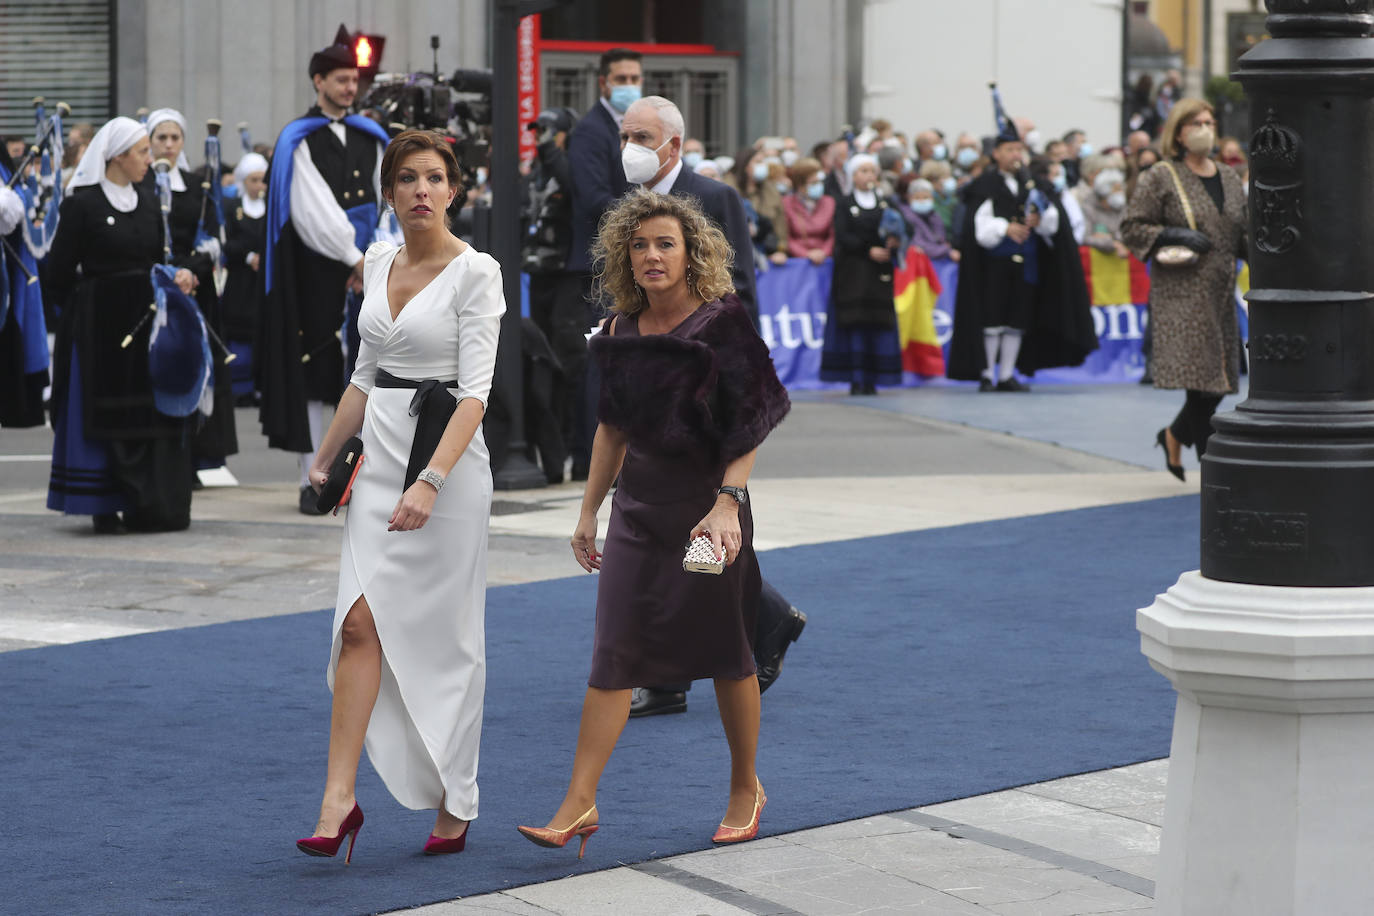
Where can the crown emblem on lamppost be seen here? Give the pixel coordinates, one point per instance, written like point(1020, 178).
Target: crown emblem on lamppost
point(1275, 150)
point(1276, 188)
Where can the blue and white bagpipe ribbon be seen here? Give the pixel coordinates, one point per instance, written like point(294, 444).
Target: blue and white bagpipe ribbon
point(44, 185)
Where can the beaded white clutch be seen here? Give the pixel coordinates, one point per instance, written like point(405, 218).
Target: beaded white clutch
point(701, 557)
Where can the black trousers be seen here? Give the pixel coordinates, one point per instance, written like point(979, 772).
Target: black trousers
point(773, 607)
point(1193, 425)
point(572, 315)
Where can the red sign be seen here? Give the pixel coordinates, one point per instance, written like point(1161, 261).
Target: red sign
point(527, 76)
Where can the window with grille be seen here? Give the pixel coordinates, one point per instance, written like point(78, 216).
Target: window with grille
point(59, 49)
point(701, 86)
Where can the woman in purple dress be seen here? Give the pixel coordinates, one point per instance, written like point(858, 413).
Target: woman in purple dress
point(688, 394)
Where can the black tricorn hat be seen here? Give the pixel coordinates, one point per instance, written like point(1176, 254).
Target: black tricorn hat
point(337, 56)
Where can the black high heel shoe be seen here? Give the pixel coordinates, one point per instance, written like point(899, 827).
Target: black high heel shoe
point(1163, 442)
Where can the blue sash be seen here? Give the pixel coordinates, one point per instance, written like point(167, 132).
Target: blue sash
point(283, 168)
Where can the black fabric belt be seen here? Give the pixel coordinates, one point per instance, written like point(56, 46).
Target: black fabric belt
point(433, 405)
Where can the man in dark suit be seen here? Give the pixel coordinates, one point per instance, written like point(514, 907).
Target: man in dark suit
point(598, 180)
point(656, 124)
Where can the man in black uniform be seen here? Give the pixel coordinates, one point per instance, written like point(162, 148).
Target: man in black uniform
point(655, 125)
point(1020, 277)
point(322, 211)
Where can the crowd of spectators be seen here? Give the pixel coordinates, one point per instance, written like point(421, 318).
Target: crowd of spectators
point(789, 196)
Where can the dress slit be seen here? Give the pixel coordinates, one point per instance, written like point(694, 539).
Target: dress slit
point(400, 727)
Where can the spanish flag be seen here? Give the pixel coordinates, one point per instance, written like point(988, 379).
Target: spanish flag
point(915, 288)
point(1114, 281)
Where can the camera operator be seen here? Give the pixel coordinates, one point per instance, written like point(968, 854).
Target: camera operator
point(548, 235)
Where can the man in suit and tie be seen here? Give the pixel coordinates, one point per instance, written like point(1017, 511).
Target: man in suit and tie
point(597, 182)
point(656, 124)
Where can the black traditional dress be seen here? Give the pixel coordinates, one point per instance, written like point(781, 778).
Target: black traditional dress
point(689, 402)
point(862, 346)
point(112, 450)
point(242, 301)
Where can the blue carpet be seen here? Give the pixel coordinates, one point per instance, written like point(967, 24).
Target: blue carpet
point(171, 772)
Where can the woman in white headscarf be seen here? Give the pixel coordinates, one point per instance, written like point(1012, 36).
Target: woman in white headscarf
point(861, 343)
point(195, 245)
point(245, 238)
point(112, 451)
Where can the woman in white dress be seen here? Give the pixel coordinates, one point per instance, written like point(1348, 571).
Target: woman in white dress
point(408, 666)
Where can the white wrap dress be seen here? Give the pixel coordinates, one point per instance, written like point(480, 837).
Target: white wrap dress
point(426, 588)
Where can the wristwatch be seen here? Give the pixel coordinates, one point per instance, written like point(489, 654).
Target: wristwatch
point(431, 477)
point(739, 493)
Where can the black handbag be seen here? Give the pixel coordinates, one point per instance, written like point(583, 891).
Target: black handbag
point(342, 472)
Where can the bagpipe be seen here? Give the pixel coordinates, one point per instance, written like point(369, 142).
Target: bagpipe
point(41, 186)
point(180, 365)
point(210, 194)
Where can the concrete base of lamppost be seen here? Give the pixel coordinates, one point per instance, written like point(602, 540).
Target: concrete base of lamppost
point(1270, 806)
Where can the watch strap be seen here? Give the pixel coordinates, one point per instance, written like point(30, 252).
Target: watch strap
point(739, 494)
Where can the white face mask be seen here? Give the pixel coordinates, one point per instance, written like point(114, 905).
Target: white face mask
point(640, 163)
point(790, 157)
point(1200, 141)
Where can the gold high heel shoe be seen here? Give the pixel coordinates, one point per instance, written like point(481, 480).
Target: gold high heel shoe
point(557, 839)
point(727, 834)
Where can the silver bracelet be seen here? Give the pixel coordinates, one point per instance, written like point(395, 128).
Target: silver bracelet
point(433, 478)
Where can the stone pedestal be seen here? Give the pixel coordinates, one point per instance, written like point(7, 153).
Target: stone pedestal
point(1270, 805)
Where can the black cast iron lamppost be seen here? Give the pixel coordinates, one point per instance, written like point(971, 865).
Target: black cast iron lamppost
point(1287, 480)
point(1270, 646)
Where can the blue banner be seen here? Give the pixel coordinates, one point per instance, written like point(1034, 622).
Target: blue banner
point(793, 307)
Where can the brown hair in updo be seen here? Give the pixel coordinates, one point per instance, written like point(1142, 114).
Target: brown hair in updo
point(708, 253)
point(418, 141)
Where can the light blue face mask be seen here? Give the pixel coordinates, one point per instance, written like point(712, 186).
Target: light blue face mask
point(692, 159)
point(760, 172)
point(966, 157)
point(1060, 182)
point(922, 207)
point(1085, 149)
point(939, 152)
point(949, 186)
point(622, 97)
point(815, 190)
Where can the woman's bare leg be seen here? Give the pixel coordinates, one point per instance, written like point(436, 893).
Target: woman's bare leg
point(738, 702)
point(356, 682)
point(604, 713)
point(446, 826)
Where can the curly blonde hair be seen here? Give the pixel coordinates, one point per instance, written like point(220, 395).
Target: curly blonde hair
point(708, 253)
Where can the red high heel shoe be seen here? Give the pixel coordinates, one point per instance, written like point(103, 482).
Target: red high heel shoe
point(439, 846)
point(728, 834)
point(329, 845)
point(557, 839)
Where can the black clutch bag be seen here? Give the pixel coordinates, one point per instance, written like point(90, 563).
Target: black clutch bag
point(338, 487)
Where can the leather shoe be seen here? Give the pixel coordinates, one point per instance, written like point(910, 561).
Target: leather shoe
point(770, 651)
point(310, 502)
point(985, 384)
point(1011, 384)
point(646, 701)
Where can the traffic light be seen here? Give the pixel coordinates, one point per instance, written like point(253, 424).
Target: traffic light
point(367, 50)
